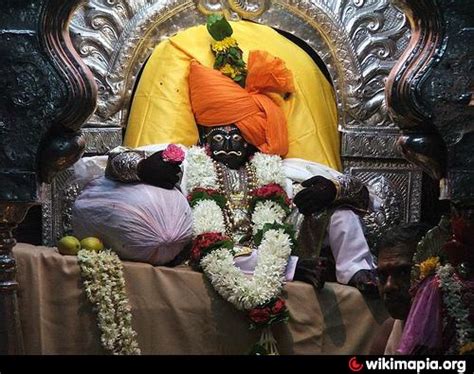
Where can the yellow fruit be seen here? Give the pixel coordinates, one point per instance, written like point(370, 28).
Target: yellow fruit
point(92, 244)
point(69, 245)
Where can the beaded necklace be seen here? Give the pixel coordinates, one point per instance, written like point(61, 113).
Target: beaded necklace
point(236, 186)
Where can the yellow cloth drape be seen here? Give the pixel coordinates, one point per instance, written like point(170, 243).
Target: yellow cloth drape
point(161, 110)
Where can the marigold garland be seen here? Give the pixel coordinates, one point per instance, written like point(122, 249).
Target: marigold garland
point(467, 348)
point(428, 267)
point(224, 44)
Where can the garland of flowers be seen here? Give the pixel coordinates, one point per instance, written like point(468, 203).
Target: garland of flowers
point(104, 285)
point(432, 259)
point(428, 267)
point(451, 286)
point(213, 251)
point(266, 284)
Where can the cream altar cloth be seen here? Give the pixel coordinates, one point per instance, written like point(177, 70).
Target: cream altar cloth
point(175, 311)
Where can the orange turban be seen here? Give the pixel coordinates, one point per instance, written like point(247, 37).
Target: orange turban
point(217, 100)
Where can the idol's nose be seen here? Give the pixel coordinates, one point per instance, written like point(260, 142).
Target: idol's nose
point(227, 143)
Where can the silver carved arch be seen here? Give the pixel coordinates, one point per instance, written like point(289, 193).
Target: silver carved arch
point(358, 41)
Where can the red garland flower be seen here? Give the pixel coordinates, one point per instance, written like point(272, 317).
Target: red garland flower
point(463, 230)
point(273, 192)
point(206, 241)
point(270, 190)
point(268, 314)
point(260, 315)
point(279, 306)
point(199, 194)
point(209, 191)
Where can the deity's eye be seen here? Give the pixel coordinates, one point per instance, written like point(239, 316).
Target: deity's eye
point(236, 138)
point(218, 138)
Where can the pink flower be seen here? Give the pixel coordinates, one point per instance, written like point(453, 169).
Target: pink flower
point(173, 154)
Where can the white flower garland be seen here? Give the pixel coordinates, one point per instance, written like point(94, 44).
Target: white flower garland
point(268, 169)
point(104, 285)
point(207, 217)
point(454, 305)
point(201, 172)
point(267, 212)
point(267, 282)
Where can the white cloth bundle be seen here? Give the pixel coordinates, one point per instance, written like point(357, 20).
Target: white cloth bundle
point(138, 221)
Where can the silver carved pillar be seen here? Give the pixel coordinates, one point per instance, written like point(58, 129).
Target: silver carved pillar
point(10, 327)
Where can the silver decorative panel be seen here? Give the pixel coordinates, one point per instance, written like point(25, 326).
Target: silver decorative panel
point(359, 42)
point(101, 140)
point(369, 145)
point(405, 178)
point(387, 210)
point(64, 192)
point(47, 216)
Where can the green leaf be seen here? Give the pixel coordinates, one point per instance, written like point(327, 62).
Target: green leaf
point(218, 27)
point(234, 52)
point(235, 60)
point(229, 244)
point(202, 195)
point(219, 60)
point(241, 83)
point(431, 245)
point(280, 200)
point(258, 237)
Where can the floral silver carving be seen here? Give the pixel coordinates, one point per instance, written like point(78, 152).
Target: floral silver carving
point(405, 178)
point(116, 37)
point(101, 140)
point(388, 210)
point(370, 144)
point(47, 216)
point(237, 9)
point(359, 41)
point(71, 192)
point(57, 207)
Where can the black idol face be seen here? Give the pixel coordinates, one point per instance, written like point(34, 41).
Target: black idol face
point(227, 146)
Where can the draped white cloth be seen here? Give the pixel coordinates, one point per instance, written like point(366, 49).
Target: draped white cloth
point(138, 221)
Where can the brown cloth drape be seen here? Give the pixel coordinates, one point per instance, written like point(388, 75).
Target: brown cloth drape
point(175, 311)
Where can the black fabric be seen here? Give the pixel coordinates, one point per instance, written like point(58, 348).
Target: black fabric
point(312, 271)
point(319, 193)
point(153, 170)
point(366, 282)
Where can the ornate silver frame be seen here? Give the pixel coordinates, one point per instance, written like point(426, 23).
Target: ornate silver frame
point(358, 40)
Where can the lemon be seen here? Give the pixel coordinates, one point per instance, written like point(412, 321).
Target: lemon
point(92, 244)
point(69, 245)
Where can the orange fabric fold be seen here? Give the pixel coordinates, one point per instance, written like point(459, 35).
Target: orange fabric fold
point(217, 100)
point(267, 73)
